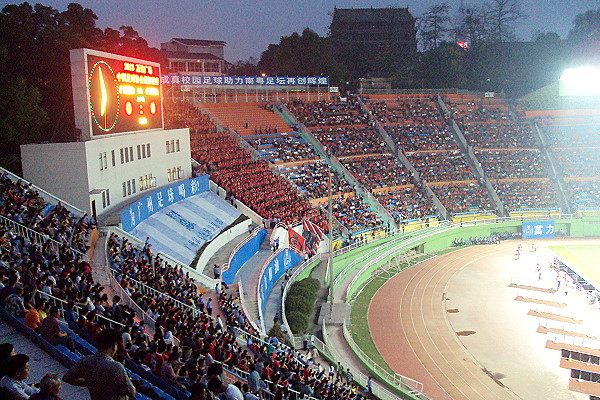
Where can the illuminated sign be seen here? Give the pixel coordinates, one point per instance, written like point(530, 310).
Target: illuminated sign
point(244, 80)
point(118, 94)
point(537, 230)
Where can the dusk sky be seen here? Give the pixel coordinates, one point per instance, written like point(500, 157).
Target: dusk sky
point(249, 27)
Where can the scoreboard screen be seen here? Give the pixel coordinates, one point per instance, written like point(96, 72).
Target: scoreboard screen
point(122, 94)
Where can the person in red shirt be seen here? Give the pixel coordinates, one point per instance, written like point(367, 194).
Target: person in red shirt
point(50, 330)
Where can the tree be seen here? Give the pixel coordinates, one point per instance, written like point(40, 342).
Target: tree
point(21, 119)
point(35, 66)
point(545, 37)
point(444, 67)
point(433, 25)
point(586, 27)
point(503, 16)
point(301, 55)
point(470, 25)
point(247, 67)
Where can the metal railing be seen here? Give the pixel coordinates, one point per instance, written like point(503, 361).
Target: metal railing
point(48, 197)
point(409, 385)
point(60, 303)
point(125, 297)
point(204, 280)
point(244, 306)
point(238, 246)
point(36, 237)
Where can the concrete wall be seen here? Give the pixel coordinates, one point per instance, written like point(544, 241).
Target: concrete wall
point(73, 171)
point(58, 168)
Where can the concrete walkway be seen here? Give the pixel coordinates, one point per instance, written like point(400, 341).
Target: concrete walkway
point(222, 255)
point(249, 277)
point(100, 267)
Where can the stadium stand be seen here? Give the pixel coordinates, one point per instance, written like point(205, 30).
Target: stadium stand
point(281, 149)
point(185, 334)
point(248, 118)
point(392, 109)
point(249, 181)
point(344, 141)
point(406, 203)
point(507, 150)
point(573, 143)
point(526, 194)
point(338, 112)
point(313, 179)
point(418, 128)
point(421, 137)
point(270, 195)
point(378, 171)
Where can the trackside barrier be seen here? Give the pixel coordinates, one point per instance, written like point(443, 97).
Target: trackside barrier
point(403, 241)
point(37, 237)
point(537, 295)
point(559, 312)
point(401, 245)
point(573, 340)
point(380, 391)
point(566, 327)
point(532, 283)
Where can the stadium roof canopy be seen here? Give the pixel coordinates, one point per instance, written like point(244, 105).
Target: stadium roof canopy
point(199, 42)
point(371, 15)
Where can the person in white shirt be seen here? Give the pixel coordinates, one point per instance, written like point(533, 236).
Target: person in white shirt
point(232, 392)
point(17, 370)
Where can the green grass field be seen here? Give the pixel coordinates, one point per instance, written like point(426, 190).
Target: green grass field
point(585, 259)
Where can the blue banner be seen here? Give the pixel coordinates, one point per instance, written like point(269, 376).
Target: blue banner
point(242, 255)
point(244, 80)
point(156, 201)
point(537, 229)
point(285, 260)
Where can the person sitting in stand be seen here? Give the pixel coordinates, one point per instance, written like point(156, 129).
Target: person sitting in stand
point(17, 370)
point(49, 388)
point(50, 330)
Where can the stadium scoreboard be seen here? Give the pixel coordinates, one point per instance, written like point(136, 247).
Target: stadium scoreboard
point(114, 94)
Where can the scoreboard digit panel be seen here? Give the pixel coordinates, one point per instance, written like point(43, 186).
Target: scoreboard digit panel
point(122, 94)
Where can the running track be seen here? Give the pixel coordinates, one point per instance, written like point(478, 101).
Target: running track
point(407, 320)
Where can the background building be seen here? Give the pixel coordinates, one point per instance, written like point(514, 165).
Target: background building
point(195, 57)
point(374, 42)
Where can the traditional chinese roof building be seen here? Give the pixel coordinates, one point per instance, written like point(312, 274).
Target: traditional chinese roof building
point(373, 42)
point(195, 57)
